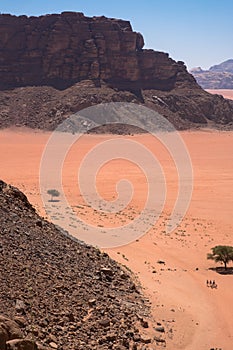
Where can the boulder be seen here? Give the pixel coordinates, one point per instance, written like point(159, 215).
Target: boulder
point(21, 344)
point(3, 338)
point(10, 328)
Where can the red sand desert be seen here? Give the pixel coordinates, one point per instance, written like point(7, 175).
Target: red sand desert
point(194, 315)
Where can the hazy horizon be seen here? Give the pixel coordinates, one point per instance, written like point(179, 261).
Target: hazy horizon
point(197, 33)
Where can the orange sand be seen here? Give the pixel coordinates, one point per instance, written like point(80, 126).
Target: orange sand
point(195, 317)
point(224, 92)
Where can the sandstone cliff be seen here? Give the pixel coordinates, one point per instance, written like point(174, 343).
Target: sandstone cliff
point(52, 66)
point(60, 50)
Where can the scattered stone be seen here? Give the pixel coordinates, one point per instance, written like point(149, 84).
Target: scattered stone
point(123, 275)
point(104, 323)
point(137, 337)
point(39, 223)
point(159, 340)
point(21, 321)
point(19, 306)
point(111, 336)
point(71, 317)
point(92, 302)
point(161, 262)
point(160, 329)
point(129, 333)
point(107, 271)
point(52, 338)
point(145, 339)
point(144, 323)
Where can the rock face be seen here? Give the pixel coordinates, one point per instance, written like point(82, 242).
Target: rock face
point(217, 77)
point(60, 293)
point(53, 66)
point(11, 336)
point(60, 50)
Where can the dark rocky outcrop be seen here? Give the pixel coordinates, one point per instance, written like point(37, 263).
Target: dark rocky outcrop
point(59, 293)
point(60, 50)
point(52, 66)
point(45, 107)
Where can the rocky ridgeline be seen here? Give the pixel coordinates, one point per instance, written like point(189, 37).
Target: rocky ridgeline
point(219, 76)
point(214, 80)
point(57, 293)
point(60, 50)
point(82, 61)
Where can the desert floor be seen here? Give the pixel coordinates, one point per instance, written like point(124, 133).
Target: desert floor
point(172, 268)
point(227, 93)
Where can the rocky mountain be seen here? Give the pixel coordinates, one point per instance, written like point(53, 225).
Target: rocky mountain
point(217, 77)
point(58, 293)
point(60, 50)
point(81, 61)
point(226, 66)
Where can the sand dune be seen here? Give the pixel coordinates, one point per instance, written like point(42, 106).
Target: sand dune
point(172, 268)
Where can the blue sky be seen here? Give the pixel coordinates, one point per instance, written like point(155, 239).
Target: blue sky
point(197, 32)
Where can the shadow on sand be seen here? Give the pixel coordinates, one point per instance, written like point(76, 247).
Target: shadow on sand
point(221, 270)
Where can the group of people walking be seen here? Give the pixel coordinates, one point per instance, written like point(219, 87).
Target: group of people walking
point(211, 284)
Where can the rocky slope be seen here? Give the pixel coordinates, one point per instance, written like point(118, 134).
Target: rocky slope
point(45, 107)
point(59, 293)
point(52, 66)
point(217, 77)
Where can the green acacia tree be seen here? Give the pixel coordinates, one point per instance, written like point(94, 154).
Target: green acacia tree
point(53, 193)
point(221, 253)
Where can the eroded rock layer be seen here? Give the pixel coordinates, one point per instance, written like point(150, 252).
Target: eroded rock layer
point(60, 50)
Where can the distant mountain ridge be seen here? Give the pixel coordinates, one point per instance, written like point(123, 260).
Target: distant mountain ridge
point(226, 66)
point(219, 76)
